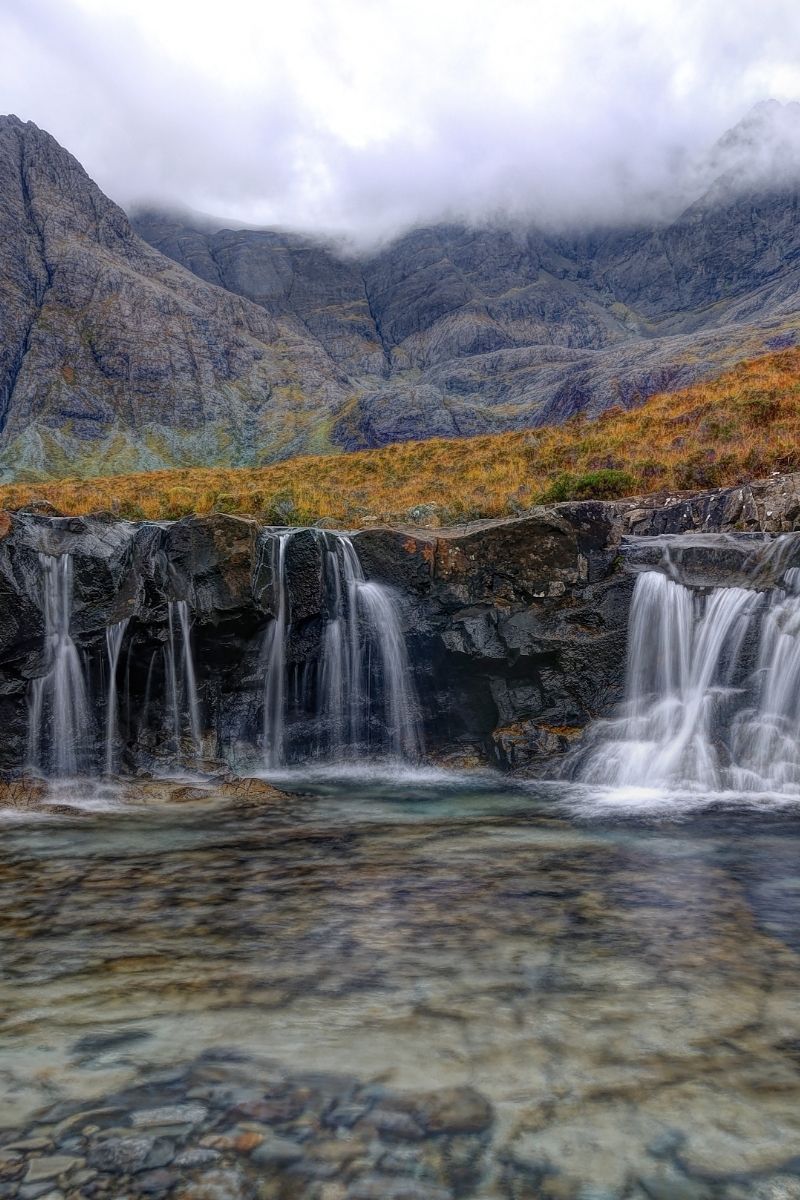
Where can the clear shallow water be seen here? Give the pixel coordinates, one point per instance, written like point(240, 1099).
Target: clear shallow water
point(620, 986)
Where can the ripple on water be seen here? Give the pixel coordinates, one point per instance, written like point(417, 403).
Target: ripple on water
point(597, 983)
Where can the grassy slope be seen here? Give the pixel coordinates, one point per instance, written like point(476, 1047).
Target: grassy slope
point(740, 426)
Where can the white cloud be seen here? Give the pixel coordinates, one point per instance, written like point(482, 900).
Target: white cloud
point(363, 116)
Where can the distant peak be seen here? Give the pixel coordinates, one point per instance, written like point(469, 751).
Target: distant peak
point(761, 150)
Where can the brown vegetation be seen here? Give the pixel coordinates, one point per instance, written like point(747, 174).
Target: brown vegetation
point(740, 426)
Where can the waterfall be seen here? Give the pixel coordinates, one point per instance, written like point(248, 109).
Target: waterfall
point(363, 700)
point(59, 719)
point(275, 660)
point(115, 635)
point(366, 675)
point(337, 684)
point(712, 695)
point(182, 694)
point(382, 627)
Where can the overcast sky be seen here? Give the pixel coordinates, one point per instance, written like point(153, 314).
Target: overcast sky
point(363, 116)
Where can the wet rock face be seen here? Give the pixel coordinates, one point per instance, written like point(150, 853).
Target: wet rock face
point(519, 621)
point(516, 630)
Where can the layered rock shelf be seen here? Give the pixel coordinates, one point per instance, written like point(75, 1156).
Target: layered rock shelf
point(515, 629)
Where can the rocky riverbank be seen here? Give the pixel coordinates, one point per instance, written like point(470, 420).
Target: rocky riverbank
point(515, 629)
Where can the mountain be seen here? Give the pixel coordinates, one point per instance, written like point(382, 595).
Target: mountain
point(164, 341)
point(110, 354)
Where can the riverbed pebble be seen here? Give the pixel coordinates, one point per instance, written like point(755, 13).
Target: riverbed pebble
point(265, 1135)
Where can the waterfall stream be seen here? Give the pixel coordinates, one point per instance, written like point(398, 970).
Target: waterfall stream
point(115, 635)
point(275, 660)
point(183, 698)
point(362, 699)
point(354, 697)
point(712, 694)
point(59, 717)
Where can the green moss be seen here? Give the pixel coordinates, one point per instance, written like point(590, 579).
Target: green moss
point(607, 484)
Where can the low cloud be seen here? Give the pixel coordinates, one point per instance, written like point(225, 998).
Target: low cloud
point(362, 117)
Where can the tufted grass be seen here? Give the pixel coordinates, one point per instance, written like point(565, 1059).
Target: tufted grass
point(740, 426)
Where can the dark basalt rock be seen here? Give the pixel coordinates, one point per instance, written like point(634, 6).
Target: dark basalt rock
point(516, 629)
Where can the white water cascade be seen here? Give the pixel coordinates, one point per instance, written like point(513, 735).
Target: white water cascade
point(274, 656)
point(115, 635)
point(712, 698)
point(182, 695)
point(361, 699)
point(59, 716)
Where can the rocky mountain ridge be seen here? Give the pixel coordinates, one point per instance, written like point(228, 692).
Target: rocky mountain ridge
point(161, 342)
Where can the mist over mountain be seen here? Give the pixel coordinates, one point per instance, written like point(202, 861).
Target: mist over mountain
point(365, 120)
point(168, 341)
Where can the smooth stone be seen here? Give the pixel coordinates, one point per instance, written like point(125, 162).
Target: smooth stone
point(346, 1115)
point(396, 1124)
point(216, 1185)
point(51, 1167)
point(131, 1155)
point(34, 1191)
point(197, 1156)
point(400, 1160)
point(277, 1151)
point(271, 1111)
point(87, 1116)
point(311, 1168)
point(389, 1187)
point(673, 1187)
point(170, 1114)
point(156, 1183)
point(82, 1177)
point(453, 1110)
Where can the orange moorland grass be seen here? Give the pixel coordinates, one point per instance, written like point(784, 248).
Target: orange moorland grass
point(742, 425)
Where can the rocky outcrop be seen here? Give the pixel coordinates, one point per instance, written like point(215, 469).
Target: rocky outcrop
point(454, 330)
point(515, 629)
point(129, 347)
point(111, 353)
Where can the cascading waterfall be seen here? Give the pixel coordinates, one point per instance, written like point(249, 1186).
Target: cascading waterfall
point(59, 717)
point(115, 635)
point(358, 699)
point(363, 698)
point(275, 660)
point(766, 738)
point(365, 667)
point(712, 699)
point(182, 695)
point(383, 629)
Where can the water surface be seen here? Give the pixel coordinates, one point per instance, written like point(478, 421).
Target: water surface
point(621, 988)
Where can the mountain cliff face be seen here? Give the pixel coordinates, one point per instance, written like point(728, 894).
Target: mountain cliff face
point(132, 346)
point(108, 350)
point(455, 331)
